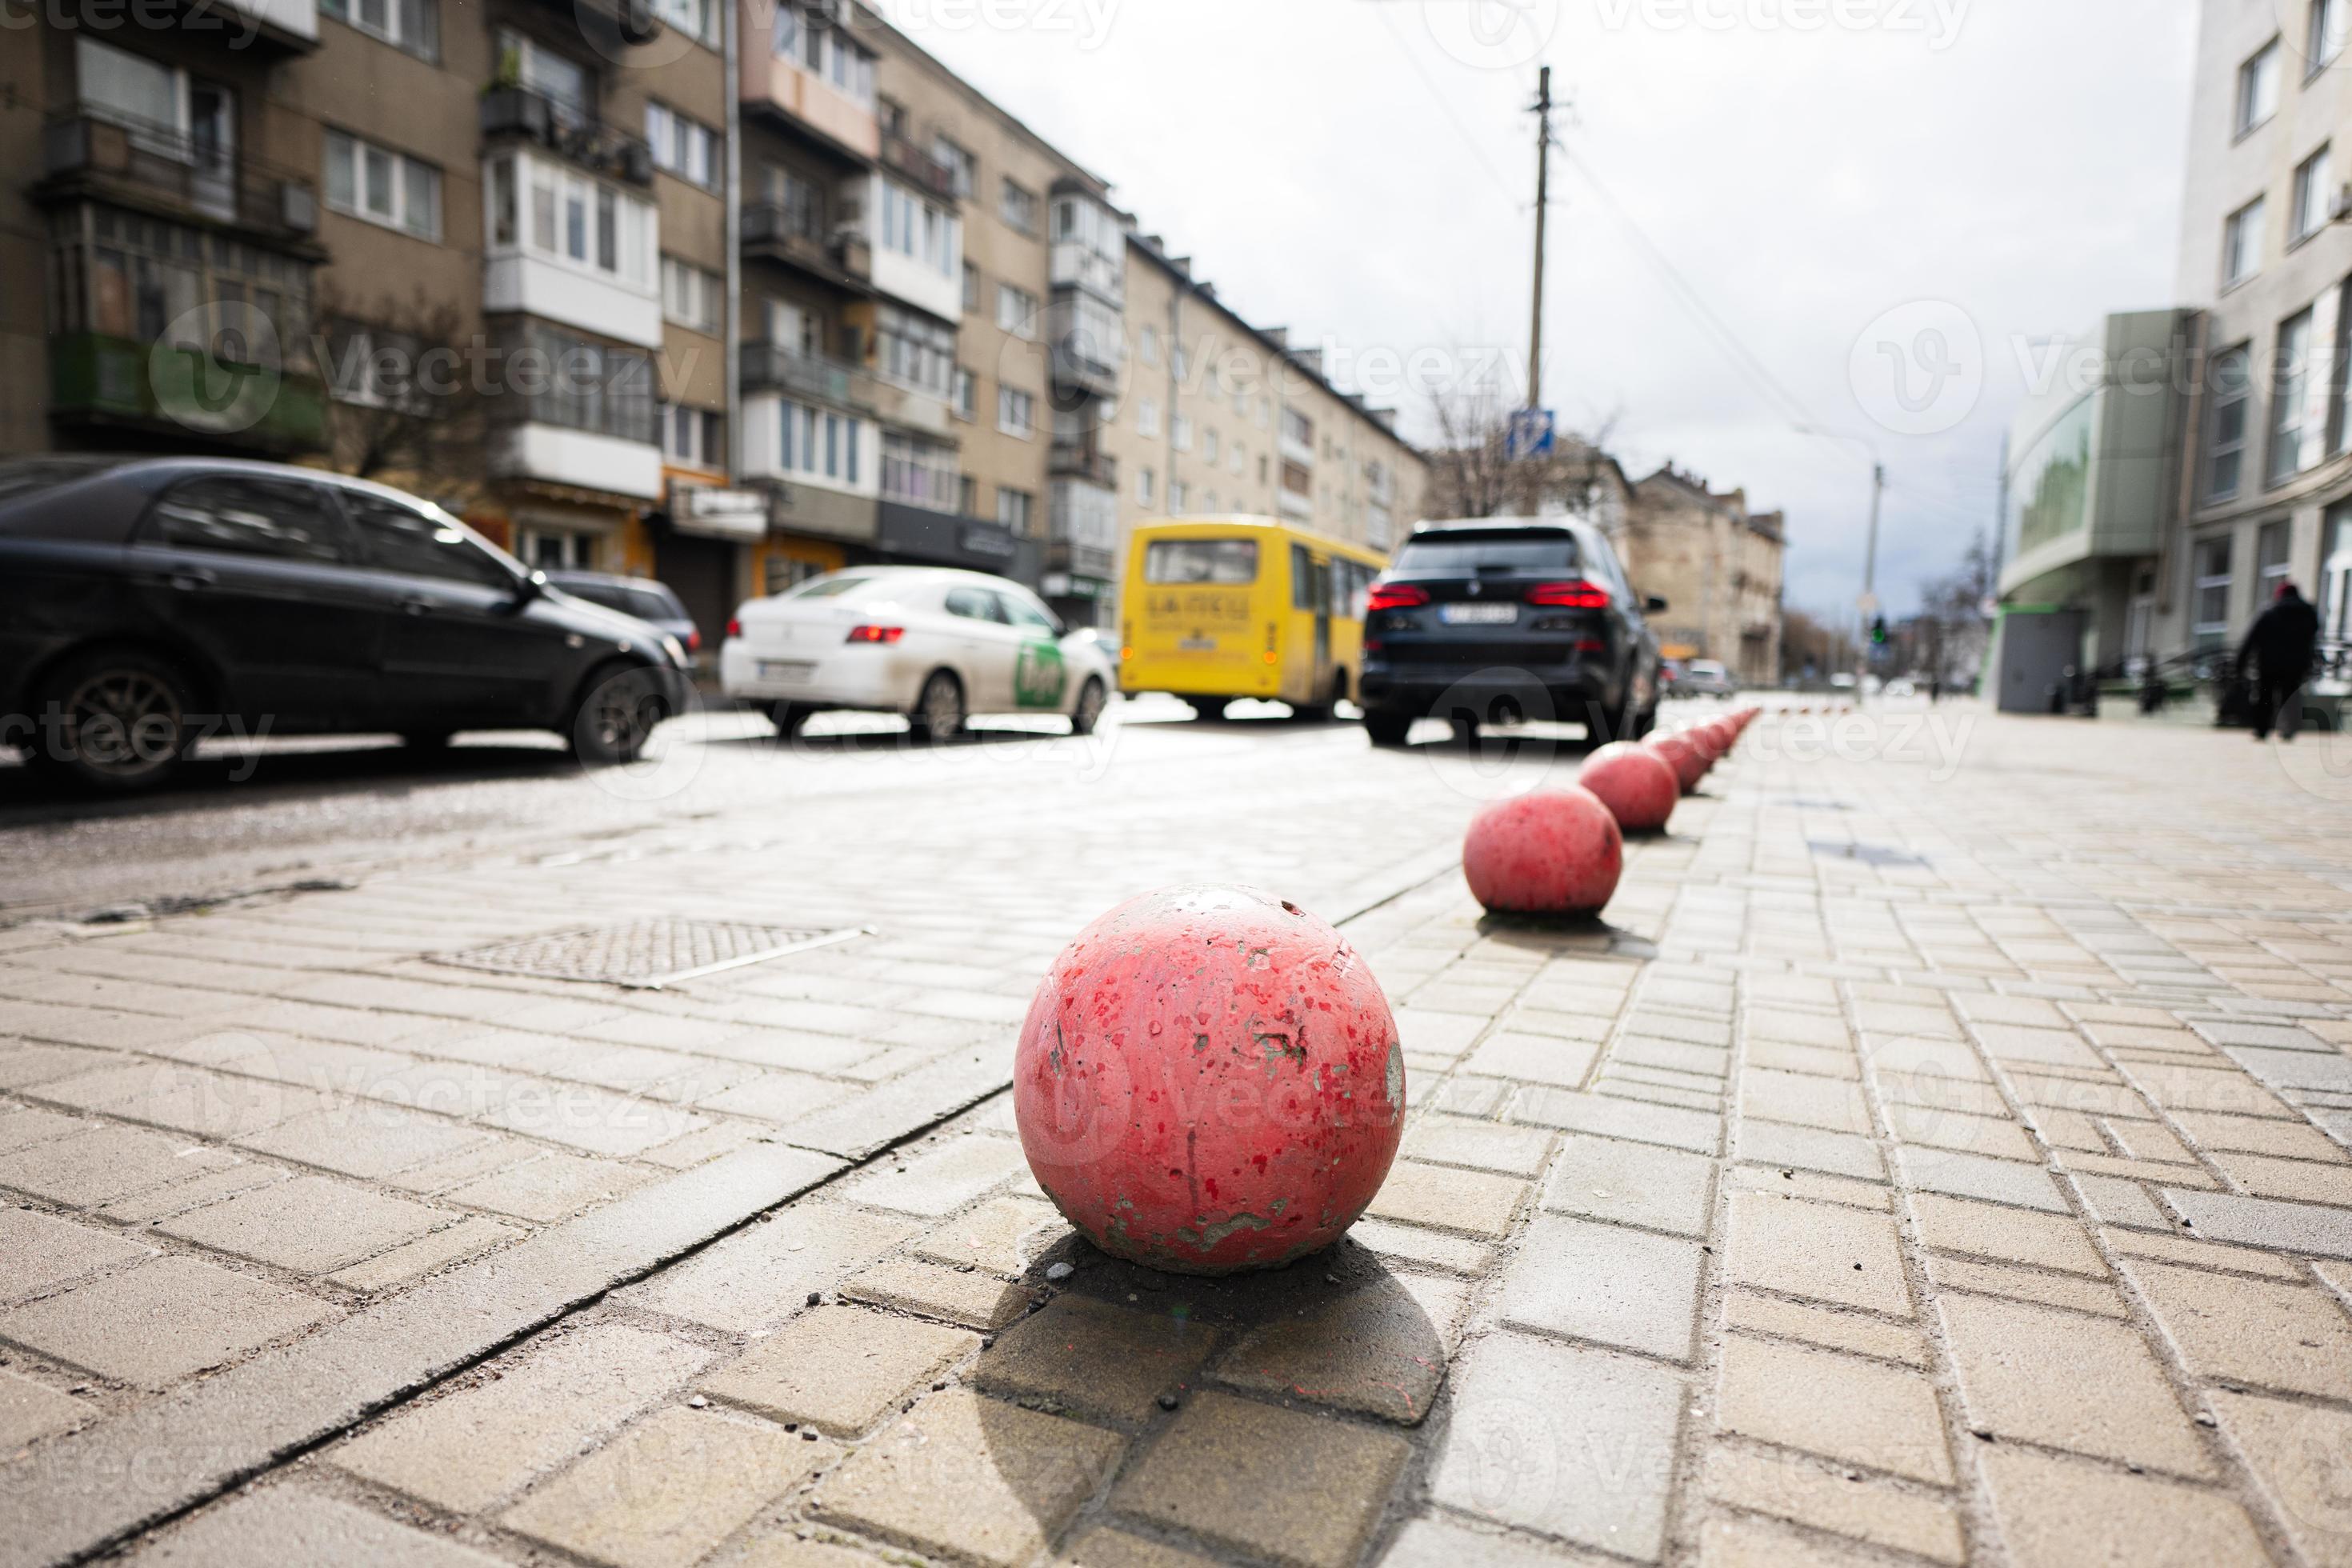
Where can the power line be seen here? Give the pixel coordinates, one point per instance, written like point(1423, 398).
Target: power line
point(1444, 104)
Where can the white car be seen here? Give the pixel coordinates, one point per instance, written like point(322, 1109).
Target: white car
point(937, 645)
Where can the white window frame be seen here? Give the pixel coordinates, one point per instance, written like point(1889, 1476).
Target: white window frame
point(636, 222)
point(967, 394)
point(2260, 71)
point(702, 165)
point(692, 297)
point(2290, 386)
point(1147, 418)
point(1016, 412)
point(2325, 37)
point(707, 449)
point(1146, 486)
point(1016, 311)
point(681, 14)
point(2307, 212)
point(2241, 242)
point(2237, 393)
point(394, 28)
point(831, 442)
point(357, 149)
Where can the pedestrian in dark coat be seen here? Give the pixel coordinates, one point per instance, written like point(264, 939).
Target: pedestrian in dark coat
point(2282, 644)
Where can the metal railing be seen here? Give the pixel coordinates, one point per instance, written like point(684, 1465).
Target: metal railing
point(563, 130)
point(81, 150)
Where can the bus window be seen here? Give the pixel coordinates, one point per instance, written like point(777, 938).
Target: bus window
point(1217, 561)
point(1310, 581)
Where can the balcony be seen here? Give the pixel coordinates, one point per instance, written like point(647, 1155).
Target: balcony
point(790, 96)
point(96, 380)
point(794, 237)
point(607, 150)
point(918, 167)
point(166, 174)
point(1085, 461)
point(816, 377)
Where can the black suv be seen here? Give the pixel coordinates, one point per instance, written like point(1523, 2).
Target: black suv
point(147, 603)
point(1498, 619)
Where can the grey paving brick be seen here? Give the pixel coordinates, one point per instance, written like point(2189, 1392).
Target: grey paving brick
point(106, 1163)
point(1810, 1149)
point(290, 1524)
point(2298, 1453)
point(764, 1273)
point(943, 1177)
point(1379, 1346)
point(311, 1224)
point(1700, 1132)
point(39, 1252)
point(2311, 1229)
point(551, 1186)
point(1607, 1284)
point(1566, 1441)
point(1820, 1251)
point(1096, 1359)
point(1632, 1184)
point(155, 1324)
point(366, 1138)
point(1482, 1146)
point(30, 1410)
point(2066, 1380)
point(839, 1368)
point(1962, 1176)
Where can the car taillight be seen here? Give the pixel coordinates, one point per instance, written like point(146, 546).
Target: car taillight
point(1578, 595)
point(734, 628)
point(694, 639)
point(1396, 597)
point(876, 633)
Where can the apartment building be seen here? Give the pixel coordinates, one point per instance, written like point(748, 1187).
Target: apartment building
point(504, 253)
point(1715, 564)
point(2265, 488)
point(261, 228)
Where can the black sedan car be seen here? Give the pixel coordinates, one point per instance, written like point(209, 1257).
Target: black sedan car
point(641, 598)
point(149, 603)
point(1497, 619)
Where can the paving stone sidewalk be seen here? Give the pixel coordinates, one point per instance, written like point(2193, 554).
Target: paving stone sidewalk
point(1923, 1164)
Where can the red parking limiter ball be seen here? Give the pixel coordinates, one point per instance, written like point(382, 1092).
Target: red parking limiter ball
point(1554, 852)
point(1637, 785)
point(1209, 1079)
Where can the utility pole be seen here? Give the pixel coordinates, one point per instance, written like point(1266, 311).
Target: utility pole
point(1869, 603)
point(1543, 208)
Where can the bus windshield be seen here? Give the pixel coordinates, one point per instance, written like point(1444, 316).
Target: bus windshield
point(1218, 560)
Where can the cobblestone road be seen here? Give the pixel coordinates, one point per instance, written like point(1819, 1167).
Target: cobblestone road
point(1939, 1156)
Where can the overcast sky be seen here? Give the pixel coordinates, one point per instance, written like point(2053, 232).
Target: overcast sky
point(1913, 172)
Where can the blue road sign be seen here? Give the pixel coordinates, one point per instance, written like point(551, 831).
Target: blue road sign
point(1531, 435)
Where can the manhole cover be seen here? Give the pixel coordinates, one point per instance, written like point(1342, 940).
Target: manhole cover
point(645, 954)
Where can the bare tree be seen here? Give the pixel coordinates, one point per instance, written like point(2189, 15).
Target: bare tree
point(1474, 471)
point(402, 401)
point(1807, 646)
point(1952, 632)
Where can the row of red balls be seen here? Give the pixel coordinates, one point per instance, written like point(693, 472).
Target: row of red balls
point(1560, 851)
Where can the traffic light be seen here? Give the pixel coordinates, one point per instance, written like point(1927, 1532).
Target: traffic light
point(1878, 632)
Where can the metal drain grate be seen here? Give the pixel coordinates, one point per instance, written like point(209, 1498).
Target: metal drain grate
point(646, 955)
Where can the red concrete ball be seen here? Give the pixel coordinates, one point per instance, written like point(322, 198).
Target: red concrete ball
point(1637, 785)
point(1209, 1079)
point(1554, 852)
point(1683, 757)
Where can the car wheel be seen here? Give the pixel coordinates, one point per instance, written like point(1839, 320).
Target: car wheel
point(1387, 728)
point(124, 722)
point(1089, 710)
point(939, 711)
point(788, 718)
point(617, 718)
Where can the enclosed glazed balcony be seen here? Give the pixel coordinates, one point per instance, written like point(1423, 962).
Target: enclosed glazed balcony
point(802, 72)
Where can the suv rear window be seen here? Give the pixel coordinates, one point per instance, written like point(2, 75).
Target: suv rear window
point(1221, 560)
point(1468, 554)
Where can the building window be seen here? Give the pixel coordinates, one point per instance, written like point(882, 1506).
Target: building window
point(1148, 346)
point(2209, 623)
point(967, 394)
point(682, 147)
point(1018, 207)
point(590, 386)
point(375, 368)
point(2273, 545)
point(825, 52)
point(818, 443)
point(1237, 459)
point(2241, 243)
point(2258, 88)
point(962, 167)
point(1147, 417)
point(2232, 388)
point(411, 24)
point(1016, 311)
point(2314, 191)
point(563, 82)
point(698, 19)
point(1298, 429)
point(971, 290)
point(365, 181)
point(916, 228)
point(1016, 412)
point(893, 117)
point(2336, 573)
point(690, 436)
point(1013, 508)
point(692, 296)
point(1180, 433)
point(919, 473)
point(1208, 445)
point(2291, 447)
point(141, 278)
point(573, 220)
point(2324, 40)
point(914, 351)
point(967, 496)
point(1146, 483)
point(1178, 493)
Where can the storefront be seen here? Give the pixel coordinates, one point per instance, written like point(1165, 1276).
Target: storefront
point(918, 536)
point(702, 546)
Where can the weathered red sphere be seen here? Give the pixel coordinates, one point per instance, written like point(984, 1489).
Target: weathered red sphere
point(1634, 783)
point(1683, 757)
point(1554, 852)
point(1209, 1079)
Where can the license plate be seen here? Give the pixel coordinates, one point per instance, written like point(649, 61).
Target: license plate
point(786, 669)
point(1477, 615)
point(1199, 645)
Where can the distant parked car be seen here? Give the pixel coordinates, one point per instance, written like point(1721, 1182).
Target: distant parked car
point(1670, 676)
point(148, 603)
point(1705, 677)
point(935, 644)
point(1500, 614)
point(641, 597)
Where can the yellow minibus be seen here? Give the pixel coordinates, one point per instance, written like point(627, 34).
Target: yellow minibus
point(1221, 608)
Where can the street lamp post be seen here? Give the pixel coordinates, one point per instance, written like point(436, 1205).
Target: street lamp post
point(1867, 604)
